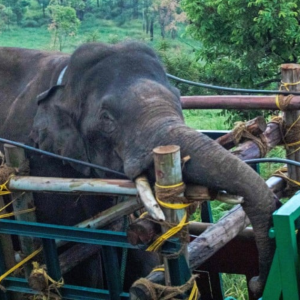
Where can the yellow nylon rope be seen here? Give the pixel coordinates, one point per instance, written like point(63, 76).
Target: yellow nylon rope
point(170, 186)
point(38, 270)
point(194, 292)
point(172, 231)
point(279, 173)
point(3, 189)
point(173, 205)
point(17, 213)
point(286, 86)
point(21, 263)
point(159, 241)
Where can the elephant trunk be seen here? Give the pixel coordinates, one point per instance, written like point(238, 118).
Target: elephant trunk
point(213, 166)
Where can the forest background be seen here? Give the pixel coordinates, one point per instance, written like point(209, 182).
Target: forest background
point(233, 43)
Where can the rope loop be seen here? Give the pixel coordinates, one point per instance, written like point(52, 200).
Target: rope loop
point(281, 173)
point(161, 292)
point(39, 280)
point(240, 131)
point(21, 263)
point(170, 193)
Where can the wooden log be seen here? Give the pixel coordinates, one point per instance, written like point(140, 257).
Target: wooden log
point(167, 165)
point(148, 198)
point(290, 74)
point(15, 157)
point(112, 214)
point(255, 126)
point(145, 231)
point(249, 149)
point(197, 228)
point(235, 102)
point(203, 247)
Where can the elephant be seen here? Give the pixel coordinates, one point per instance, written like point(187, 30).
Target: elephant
point(111, 105)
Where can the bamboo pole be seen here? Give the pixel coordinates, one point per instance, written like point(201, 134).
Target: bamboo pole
point(14, 158)
point(72, 185)
point(290, 74)
point(167, 165)
point(235, 102)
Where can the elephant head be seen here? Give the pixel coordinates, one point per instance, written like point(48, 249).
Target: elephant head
point(115, 105)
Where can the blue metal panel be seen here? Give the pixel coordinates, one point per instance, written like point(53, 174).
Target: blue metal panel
point(72, 234)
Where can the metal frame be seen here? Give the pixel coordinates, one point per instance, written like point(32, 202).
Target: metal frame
point(284, 278)
point(48, 233)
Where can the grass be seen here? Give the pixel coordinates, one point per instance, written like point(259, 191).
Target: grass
point(89, 31)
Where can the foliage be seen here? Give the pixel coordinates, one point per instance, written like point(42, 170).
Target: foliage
point(15, 10)
point(6, 15)
point(169, 15)
point(251, 37)
point(64, 23)
point(244, 42)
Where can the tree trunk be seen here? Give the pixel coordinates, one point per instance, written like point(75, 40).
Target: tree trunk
point(135, 7)
point(152, 29)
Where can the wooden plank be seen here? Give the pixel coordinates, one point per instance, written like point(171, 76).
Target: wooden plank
point(235, 102)
point(15, 157)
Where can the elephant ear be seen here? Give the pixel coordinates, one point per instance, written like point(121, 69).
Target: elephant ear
point(55, 131)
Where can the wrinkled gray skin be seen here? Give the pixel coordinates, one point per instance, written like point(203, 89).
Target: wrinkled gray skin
point(114, 106)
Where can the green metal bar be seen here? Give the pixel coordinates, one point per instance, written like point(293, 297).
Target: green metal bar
point(112, 271)
point(288, 253)
point(284, 278)
point(51, 259)
point(73, 234)
point(179, 270)
point(273, 289)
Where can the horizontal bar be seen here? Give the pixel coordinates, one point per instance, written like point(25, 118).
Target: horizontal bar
point(66, 233)
point(67, 291)
point(70, 185)
point(290, 209)
point(236, 102)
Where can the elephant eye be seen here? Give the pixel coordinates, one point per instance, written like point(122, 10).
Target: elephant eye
point(107, 122)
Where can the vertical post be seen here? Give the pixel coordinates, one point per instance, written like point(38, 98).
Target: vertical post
point(167, 165)
point(6, 244)
point(290, 74)
point(14, 158)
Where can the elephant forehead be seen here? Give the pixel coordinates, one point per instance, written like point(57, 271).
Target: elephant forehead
point(149, 90)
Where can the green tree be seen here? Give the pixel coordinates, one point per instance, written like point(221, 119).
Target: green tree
point(64, 23)
point(18, 8)
point(244, 42)
point(43, 4)
point(6, 15)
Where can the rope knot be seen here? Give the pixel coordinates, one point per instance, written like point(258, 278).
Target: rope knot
point(40, 281)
